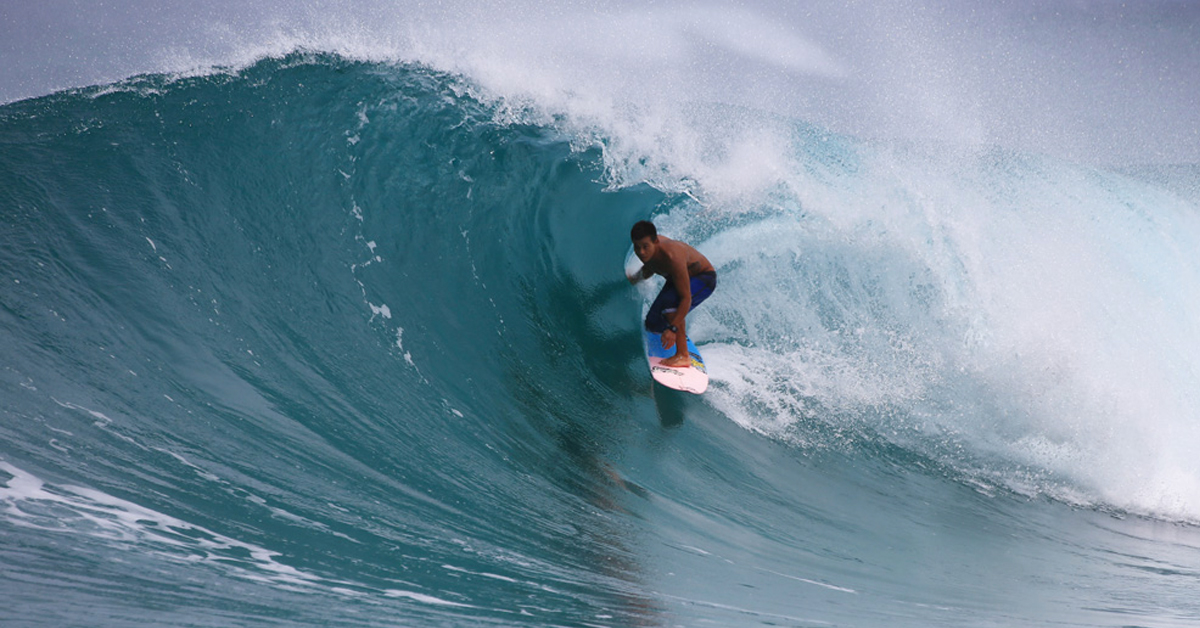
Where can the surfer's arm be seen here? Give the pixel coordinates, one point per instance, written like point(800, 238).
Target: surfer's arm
point(642, 273)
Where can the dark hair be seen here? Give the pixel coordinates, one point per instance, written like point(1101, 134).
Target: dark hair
point(642, 229)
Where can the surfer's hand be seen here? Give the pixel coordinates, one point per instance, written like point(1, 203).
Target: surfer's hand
point(668, 339)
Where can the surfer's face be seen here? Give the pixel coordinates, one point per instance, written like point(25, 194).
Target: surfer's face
point(645, 248)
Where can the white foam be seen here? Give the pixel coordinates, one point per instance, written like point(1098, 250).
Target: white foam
point(812, 582)
point(199, 471)
point(424, 599)
point(1016, 317)
point(481, 573)
point(102, 420)
point(29, 502)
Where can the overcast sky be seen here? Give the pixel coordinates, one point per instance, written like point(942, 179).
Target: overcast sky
point(1096, 81)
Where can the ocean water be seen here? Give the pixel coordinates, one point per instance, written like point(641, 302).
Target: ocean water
point(328, 341)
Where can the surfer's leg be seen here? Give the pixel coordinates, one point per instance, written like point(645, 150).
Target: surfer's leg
point(682, 356)
point(667, 300)
point(702, 288)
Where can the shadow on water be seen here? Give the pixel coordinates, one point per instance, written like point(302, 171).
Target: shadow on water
point(561, 371)
point(672, 405)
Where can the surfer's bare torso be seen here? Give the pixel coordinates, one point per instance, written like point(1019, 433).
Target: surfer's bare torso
point(670, 256)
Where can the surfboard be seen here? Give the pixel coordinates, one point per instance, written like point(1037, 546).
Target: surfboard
point(693, 379)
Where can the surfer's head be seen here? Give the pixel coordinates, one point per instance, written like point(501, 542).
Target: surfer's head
point(645, 240)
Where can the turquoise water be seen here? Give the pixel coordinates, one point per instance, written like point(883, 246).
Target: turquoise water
point(331, 342)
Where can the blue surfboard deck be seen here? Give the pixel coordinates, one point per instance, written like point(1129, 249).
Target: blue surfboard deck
point(693, 379)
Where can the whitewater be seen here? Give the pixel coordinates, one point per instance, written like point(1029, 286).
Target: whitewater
point(325, 324)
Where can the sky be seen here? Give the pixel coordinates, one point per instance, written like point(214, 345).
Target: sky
point(1101, 81)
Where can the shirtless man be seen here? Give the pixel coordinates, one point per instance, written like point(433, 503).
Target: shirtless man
point(690, 280)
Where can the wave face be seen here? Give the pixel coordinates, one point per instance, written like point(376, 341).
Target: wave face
point(334, 342)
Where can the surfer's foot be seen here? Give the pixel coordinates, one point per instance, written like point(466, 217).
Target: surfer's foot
point(678, 361)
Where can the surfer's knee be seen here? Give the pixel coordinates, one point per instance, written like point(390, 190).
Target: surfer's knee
point(656, 321)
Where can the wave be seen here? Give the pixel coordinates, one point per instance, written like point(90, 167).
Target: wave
point(325, 340)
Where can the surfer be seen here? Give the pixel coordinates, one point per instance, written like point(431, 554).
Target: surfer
point(690, 280)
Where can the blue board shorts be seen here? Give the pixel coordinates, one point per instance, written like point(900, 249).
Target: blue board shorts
point(668, 300)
